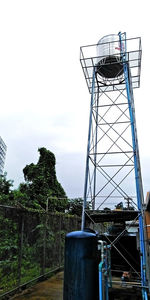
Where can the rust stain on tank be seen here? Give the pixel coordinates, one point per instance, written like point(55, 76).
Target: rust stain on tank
point(51, 289)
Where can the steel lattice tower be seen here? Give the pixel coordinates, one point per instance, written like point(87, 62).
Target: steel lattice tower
point(113, 174)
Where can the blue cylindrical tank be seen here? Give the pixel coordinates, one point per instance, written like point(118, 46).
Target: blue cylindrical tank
point(81, 266)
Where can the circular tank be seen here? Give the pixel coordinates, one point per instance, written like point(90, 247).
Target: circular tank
point(81, 266)
point(109, 63)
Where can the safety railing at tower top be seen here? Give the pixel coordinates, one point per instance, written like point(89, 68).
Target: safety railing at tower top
point(90, 59)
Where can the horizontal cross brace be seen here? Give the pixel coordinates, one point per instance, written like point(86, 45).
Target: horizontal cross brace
point(117, 152)
point(109, 105)
point(131, 165)
point(125, 122)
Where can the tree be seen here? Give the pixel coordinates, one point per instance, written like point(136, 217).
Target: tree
point(6, 194)
point(75, 206)
point(41, 185)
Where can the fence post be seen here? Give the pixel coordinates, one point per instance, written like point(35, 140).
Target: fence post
point(20, 246)
point(59, 241)
point(44, 239)
point(44, 245)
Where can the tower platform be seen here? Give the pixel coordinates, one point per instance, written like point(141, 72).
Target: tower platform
point(99, 216)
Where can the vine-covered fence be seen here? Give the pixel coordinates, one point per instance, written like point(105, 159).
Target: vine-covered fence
point(31, 244)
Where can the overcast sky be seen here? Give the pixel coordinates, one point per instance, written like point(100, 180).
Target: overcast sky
point(44, 97)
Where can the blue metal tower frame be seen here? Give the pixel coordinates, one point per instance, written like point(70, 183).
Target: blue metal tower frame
point(127, 83)
point(87, 155)
point(137, 168)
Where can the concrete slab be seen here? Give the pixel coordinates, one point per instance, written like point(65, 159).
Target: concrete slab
point(51, 289)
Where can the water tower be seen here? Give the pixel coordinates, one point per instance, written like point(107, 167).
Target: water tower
point(113, 175)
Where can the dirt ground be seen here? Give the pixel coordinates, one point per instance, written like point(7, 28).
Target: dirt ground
point(51, 289)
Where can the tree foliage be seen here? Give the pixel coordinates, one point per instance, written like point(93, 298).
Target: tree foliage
point(6, 193)
point(26, 234)
point(75, 206)
point(41, 189)
point(41, 185)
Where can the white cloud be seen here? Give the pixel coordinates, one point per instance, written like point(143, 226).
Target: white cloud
point(44, 98)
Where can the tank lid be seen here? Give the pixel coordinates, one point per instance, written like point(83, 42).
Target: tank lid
point(108, 38)
point(80, 234)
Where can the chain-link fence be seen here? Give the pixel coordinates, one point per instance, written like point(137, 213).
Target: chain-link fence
point(31, 244)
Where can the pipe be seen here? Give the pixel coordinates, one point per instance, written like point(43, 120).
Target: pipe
point(100, 281)
point(109, 265)
point(101, 271)
point(104, 265)
point(106, 272)
point(145, 294)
